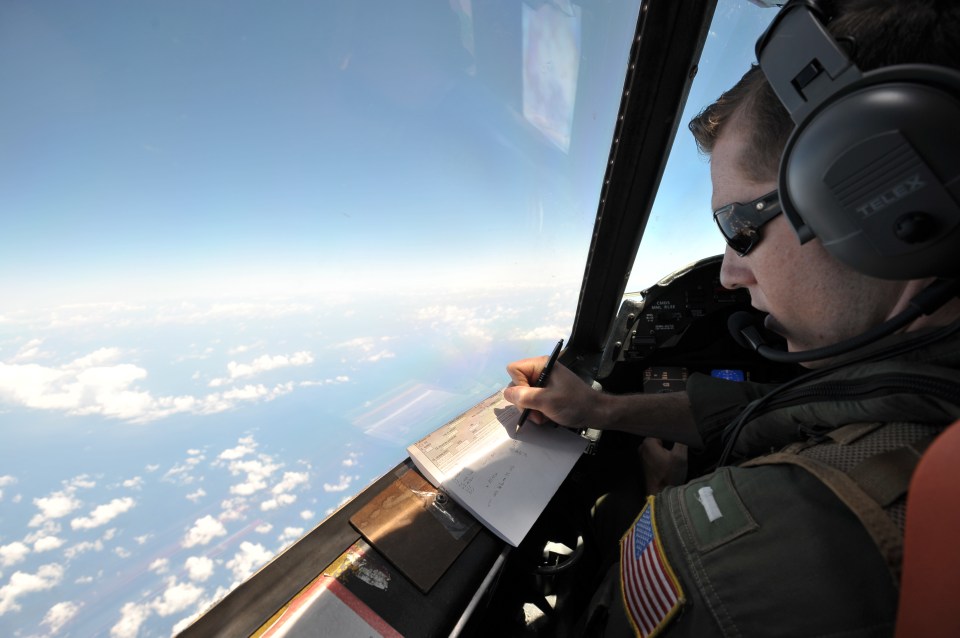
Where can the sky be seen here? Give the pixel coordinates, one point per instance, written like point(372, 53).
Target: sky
point(251, 251)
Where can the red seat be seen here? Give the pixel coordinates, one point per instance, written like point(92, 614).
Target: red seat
point(930, 585)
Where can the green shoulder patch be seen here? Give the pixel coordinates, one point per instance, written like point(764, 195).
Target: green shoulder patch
point(715, 511)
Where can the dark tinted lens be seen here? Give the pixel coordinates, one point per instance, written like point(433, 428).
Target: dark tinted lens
point(741, 223)
point(740, 233)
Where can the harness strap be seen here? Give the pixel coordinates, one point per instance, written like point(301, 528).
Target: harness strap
point(847, 434)
point(885, 533)
point(885, 477)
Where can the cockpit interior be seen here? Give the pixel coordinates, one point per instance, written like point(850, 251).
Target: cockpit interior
point(624, 342)
point(325, 229)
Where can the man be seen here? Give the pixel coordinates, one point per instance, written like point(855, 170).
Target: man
point(773, 547)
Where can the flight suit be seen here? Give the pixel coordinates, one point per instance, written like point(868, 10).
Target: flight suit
point(804, 541)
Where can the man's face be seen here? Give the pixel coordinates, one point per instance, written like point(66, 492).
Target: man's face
point(812, 299)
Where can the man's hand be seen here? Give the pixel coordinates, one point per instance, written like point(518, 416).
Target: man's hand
point(566, 400)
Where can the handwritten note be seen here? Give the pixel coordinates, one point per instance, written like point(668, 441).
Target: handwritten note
point(502, 477)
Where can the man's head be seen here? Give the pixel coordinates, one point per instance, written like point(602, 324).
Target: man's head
point(876, 33)
point(813, 299)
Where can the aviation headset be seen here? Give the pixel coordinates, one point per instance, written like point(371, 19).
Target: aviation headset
point(872, 167)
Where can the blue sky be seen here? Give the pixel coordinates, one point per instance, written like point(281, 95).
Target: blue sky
point(252, 250)
point(273, 138)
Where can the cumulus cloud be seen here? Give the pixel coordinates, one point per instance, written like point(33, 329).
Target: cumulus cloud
point(22, 583)
point(47, 543)
point(176, 597)
point(135, 483)
point(257, 471)
point(81, 548)
point(59, 615)
point(196, 496)
point(233, 508)
point(262, 364)
point(280, 500)
point(179, 474)
point(49, 528)
point(290, 481)
point(103, 514)
point(204, 530)
point(250, 558)
point(87, 385)
point(290, 534)
point(308, 515)
point(132, 616)
point(204, 603)
point(245, 446)
point(13, 553)
point(263, 528)
point(344, 484)
point(160, 565)
point(250, 392)
point(56, 505)
point(351, 460)
point(199, 568)
point(100, 384)
point(82, 481)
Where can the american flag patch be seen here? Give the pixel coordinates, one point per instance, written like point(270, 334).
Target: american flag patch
point(651, 592)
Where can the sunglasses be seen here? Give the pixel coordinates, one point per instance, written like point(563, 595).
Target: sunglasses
point(741, 223)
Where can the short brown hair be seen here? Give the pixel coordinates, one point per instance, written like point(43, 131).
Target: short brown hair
point(876, 33)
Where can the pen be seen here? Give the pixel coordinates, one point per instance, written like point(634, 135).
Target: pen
point(542, 379)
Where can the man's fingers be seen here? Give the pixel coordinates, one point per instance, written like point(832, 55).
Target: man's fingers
point(562, 400)
point(526, 371)
point(521, 396)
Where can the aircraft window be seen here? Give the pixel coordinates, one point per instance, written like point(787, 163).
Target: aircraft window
point(251, 251)
point(680, 229)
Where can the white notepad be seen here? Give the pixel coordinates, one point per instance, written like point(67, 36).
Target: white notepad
point(504, 478)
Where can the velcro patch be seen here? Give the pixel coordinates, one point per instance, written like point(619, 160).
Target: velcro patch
point(715, 511)
point(650, 589)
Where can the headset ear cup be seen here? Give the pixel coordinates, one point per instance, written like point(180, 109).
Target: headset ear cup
point(874, 173)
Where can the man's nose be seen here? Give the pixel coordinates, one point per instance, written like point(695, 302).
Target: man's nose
point(734, 271)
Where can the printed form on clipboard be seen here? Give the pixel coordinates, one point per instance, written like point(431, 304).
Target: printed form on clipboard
point(503, 477)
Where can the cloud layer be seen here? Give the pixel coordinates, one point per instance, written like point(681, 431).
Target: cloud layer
point(101, 384)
